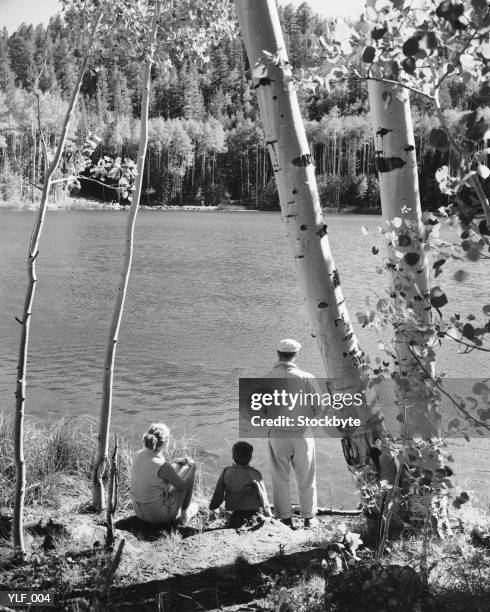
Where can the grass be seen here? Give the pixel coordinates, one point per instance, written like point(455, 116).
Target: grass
point(58, 459)
point(458, 575)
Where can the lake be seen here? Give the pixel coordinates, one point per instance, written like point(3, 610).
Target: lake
point(209, 296)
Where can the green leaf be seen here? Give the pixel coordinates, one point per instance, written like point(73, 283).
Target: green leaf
point(411, 258)
point(431, 40)
point(483, 228)
point(408, 65)
point(404, 240)
point(469, 331)
point(368, 55)
point(378, 33)
point(438, 139)
point(438, 298)
point(411, 46)
point(450, 10)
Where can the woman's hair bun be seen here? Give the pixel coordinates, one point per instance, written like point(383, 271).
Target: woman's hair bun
point(150, 441)
point(157, 436)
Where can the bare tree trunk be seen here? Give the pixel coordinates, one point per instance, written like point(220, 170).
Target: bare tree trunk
point(100, 462)
point(25, 320)
point(303, 219)
point(112, 497)
point(396, 164)
point(34, 138)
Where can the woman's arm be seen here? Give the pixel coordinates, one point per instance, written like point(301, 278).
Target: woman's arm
point(168, 473)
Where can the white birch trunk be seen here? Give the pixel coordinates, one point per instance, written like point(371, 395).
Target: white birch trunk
point(396, 163)
point(101, 459)
point(301, 212)
point(25, 321)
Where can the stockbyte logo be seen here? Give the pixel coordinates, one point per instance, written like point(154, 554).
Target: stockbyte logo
point(270, 407)
point(292, 406)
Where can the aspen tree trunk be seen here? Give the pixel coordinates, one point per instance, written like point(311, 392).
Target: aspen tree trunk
point(25, 320)
point(101, 459)
point(303, 219)
point(396, 163)
point(34, 138)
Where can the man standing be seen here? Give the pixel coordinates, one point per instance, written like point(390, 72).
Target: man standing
point(292, 446)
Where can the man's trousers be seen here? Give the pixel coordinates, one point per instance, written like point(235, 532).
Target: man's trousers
point(298, 453)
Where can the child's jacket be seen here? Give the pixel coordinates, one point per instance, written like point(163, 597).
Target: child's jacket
point(236, 486)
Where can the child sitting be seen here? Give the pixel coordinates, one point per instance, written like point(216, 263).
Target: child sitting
point(241, 487)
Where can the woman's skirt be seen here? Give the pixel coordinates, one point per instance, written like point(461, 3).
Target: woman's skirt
point(158, 512)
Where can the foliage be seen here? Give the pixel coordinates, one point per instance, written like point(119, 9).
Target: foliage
point(59, 459)
point(210, 89)
point(423, 49)
point(423, 478)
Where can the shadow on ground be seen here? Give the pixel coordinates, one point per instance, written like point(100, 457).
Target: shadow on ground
point(145, 531)
point(238, 585)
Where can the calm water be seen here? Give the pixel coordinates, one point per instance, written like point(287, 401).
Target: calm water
point(210, 295)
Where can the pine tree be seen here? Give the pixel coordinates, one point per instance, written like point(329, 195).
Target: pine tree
point(102, 97)
point(168, 94)
point(21, 51)
point(193, 99)
point(119, 96)
point(7, 78)
point(64, 65)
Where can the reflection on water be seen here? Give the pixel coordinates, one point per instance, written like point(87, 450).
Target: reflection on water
point(209, 297)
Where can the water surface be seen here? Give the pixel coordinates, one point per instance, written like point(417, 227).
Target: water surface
point(209, 296)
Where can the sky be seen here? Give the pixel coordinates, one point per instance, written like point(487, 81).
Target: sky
point(329, 8)
point(14, 12)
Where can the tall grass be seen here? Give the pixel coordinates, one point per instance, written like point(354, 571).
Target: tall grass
point(59, 457)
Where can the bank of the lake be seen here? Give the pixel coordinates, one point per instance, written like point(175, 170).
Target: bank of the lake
point(207, 565)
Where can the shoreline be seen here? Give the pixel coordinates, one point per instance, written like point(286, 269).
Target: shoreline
point(82, 205)
point(208, 561)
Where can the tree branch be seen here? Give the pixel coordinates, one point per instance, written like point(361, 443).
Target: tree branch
point(475, 421)
point(461, 341)
point(400, 84)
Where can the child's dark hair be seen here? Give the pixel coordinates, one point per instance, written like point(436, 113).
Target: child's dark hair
point(242, 452)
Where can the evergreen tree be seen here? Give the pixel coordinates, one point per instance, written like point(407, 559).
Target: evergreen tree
point(102, 96)
point(169, 95)
point(193, 99)
point(120, 97)
point(64, 65)
point(7, 78)
point(21, 51)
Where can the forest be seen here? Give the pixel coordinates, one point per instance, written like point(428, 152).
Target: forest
point(205, 147)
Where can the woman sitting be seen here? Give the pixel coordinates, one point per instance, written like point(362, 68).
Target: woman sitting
point(161, 491)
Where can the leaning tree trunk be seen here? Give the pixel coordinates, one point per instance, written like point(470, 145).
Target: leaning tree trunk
point(302, 215)
point(101, 459)
point(409, 288)
point(25, 321)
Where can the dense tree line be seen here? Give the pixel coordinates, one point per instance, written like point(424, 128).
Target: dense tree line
point(205, 146)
